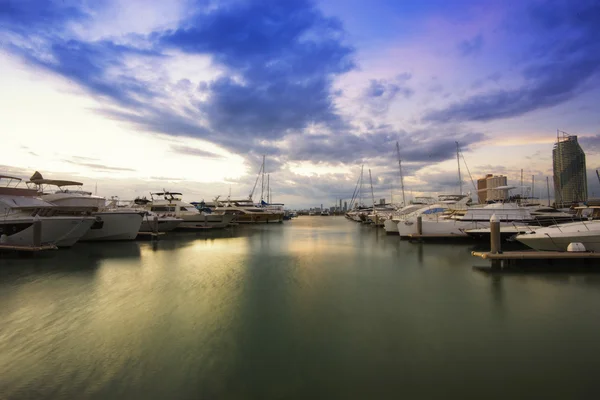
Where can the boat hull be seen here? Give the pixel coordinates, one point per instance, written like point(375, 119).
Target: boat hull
point(62, 231)
point(558, 237)
point(114, 226)
point(164, 224)
point(207, 221)
point(391, 227)
point(258, 218)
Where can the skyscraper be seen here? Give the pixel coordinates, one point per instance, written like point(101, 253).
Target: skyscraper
point(570, 177)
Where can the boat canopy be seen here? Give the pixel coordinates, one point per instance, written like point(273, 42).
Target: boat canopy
point(55, 182)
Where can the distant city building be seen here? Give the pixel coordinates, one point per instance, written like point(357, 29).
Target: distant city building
point(486, 188)
point(345, 206)
point(381, 201)
point(340, 204)
point(570, 176)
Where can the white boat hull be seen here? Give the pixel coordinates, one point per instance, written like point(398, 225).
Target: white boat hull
point(558, 237)
point(62, 231)
point(115, 226)
point(391, 226)
point(207, 221)
point(164, 224)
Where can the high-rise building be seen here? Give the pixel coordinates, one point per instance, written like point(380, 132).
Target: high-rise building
point(486, 188)
point(345, 206)
point(570, 177)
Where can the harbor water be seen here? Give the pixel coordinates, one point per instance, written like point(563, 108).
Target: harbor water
point(316, 307)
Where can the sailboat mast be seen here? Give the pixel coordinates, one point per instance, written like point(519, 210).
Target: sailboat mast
point(521, 183)
point(362, 167)
point(401, 175)
point(532, 195)
point(269, 188)
point(459, 175)
point(262, 181)
point(372, 194)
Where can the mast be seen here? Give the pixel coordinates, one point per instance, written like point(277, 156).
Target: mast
point(521, 183)
point(361, 185)
point(256, 181)
point(262, 181)
point(458, 161)
point(532, 186)
point(401, 175)
point(372, 194)
point(548, 189)
point(269, 188)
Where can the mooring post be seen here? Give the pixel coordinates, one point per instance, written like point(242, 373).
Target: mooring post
point(495, 242)
point(37, 231)
point(155, 226)
point(419, 225)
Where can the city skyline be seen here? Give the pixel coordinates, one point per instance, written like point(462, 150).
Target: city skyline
point(138, 96)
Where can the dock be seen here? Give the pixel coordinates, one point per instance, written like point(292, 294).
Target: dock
point(432, 237)
point(526, 259)
point(534, 258)
point(28, 249)
point(149, 235)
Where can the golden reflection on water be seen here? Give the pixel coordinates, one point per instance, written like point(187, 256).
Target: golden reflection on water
point(285, 310)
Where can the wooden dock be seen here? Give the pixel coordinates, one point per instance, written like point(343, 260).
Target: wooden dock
point(528, 259)
point(433, 237)
point(28, 249)
point(149, 235)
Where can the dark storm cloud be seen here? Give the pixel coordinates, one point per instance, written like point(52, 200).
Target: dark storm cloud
point(564, 57)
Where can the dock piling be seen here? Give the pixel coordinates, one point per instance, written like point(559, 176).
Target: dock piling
point(495, 242)
point(419, 225)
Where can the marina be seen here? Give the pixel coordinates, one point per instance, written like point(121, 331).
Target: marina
point(314, 305)
point(308, 199)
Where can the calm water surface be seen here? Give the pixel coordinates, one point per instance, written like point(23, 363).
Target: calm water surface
point(317, 307)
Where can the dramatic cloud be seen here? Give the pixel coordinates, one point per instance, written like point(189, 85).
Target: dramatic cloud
point(380, 92)
point(471, 46)
point(190, 151)
point(564, 56)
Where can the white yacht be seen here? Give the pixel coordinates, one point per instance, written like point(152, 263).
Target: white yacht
point(109, 224)
point(19, 210)
point(325, 213)
point(407, 224)
point(475, 217)
point(165, 223)
point(246, 212)
point(390, 225)
point(170, 204)
point(558, 237)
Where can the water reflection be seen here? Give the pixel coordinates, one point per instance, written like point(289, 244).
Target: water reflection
point(315, 307)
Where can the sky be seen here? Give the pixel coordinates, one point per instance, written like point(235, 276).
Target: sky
point(136, 96)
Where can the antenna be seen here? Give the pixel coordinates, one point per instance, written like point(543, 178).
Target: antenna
point(401, 175)
point(458, 161)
